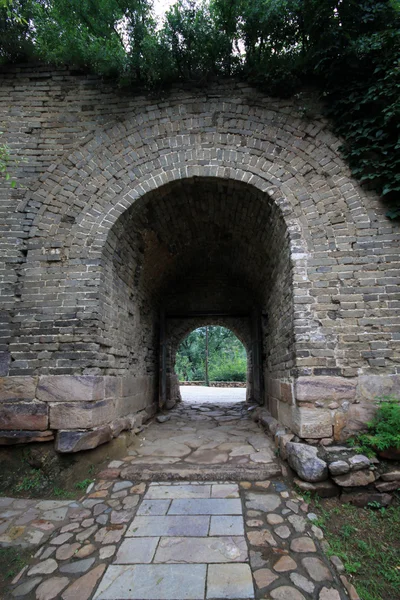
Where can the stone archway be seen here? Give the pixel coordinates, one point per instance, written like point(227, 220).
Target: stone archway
point(200, 246)
point(64, 367)
point(178, 327)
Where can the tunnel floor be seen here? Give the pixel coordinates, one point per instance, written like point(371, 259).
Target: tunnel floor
point(204, 440)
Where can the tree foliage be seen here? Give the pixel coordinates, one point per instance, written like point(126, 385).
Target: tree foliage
point(349, 50)
point(226, 356)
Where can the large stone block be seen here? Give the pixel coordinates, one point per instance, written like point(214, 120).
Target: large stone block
point(357, 418)
point(310, 389)
point(24, 415)
point(75, 441)
point(81, 415)
point(371, 387)
point(131, 386)
point(17, 388)
point(312, 423)
point(70, 388)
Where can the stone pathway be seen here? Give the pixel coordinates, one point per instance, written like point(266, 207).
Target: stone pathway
point(203, 441)
point(184, 541)
point(209, 537)
point(216, 395)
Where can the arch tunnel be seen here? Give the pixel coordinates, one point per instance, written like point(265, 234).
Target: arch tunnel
point(197, 251)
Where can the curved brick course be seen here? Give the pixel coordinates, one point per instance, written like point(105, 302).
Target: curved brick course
point(124, 194)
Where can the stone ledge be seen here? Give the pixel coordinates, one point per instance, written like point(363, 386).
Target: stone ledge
point(24, 415)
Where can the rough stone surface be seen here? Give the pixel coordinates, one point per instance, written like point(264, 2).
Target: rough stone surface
point(304, 460)
point(355, 479)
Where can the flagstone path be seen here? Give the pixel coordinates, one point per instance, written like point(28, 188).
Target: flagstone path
point(129, 539)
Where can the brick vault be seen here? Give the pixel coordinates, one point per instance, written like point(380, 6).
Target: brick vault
point(137, 220)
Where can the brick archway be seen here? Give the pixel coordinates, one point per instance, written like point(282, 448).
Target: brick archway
point(63, 255)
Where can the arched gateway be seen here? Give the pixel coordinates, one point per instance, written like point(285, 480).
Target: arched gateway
point(224, 207)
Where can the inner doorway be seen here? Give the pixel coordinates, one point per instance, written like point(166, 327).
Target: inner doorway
point(211, 365)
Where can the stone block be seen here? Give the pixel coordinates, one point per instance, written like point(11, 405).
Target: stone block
point(312, 423)
point(323, 489)
point(17, 388)
point(24, 415)
point(74, 441)
point(81, 415)
point(112, 387)
point(356, 419)
point(70, 388)
point(311, 389)
point(355, 479)
point(286, 394)
point(192, 526)
point(370, 387)
point(9, 438)
point(304, 460)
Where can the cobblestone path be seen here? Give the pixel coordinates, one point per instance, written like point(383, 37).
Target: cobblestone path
point(186, 540)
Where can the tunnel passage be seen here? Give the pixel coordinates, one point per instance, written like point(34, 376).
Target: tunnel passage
point(196, 249)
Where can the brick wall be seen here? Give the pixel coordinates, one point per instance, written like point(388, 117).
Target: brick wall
point(202, 200)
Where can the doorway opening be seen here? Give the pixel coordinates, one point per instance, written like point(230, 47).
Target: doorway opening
point(211, 365)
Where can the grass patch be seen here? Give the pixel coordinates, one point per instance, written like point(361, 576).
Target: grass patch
point(12, 561)
point(368, 543)
point(35, 480)
point(82, 485)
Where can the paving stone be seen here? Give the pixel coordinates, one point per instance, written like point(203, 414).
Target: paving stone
point(107, 552)
point(264, 578)
point(316, 569)
point(254, 523)
point(99, 508)
point(78, 566)
point(66, 551)
point(153, 507)
point(169, 526)
point(50, 588)
point(44, 568)
point(83, 587)
point(302, 582)
point(136, 550)
point(286, 592)
point(130, 502)
point(263, 484)
point(226, 525)
point(282, 531)
point(285, 563)
point(201, 550)
point(110, 535)
point(85, 551)
point(211, 506)
point(121, 516)
point(87, 522)
point(153, 582)
point(274, 519)
point(256, 560)
point(162, 492)
point(229, 581)
point(328, 594)
point(24, 588)
point(264, 502)
point(84, 535)
point(225, 491)
point(299, 523)
point(138, 489)
point(303, 544)
point(261, 538)
point(121, 485)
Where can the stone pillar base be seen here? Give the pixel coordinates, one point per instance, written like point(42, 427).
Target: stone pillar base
point(85, 410)
point(330, 409)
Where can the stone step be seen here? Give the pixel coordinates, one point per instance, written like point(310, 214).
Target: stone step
point(154, 472)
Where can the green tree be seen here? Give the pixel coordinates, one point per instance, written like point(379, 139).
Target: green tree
point(226, 356)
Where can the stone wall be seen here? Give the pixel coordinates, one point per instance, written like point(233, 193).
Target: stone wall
point(205, 200)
